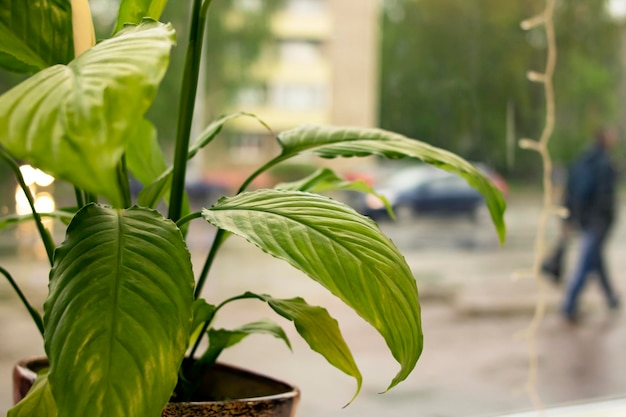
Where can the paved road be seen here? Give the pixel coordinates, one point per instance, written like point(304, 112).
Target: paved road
point(475, 362)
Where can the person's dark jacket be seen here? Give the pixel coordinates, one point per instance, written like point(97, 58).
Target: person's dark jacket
point(591, 190)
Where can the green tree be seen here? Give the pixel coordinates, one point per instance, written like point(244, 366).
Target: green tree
point(451, 68)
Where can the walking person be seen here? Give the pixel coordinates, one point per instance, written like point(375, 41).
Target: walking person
point(592, 206)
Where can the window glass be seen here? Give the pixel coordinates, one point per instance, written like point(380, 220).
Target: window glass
point(300, 51)
point(299, 96)
point(248, 5)
point(306, 6)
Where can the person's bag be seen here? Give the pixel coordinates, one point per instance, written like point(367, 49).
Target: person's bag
point(553, 264)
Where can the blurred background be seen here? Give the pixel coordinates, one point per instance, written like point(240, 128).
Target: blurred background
point(449, 72)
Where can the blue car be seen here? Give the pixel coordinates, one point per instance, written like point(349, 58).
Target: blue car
point(421, 190)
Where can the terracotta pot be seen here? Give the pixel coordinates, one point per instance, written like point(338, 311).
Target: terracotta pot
point(259, 396)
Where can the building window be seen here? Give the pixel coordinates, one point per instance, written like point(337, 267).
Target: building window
point(306, 6)
point(251, 95)
point(301, 97)
point(246, 147)
point(300, 51)
point(248, 5)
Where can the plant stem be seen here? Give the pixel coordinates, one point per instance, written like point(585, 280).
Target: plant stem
point(33, 313)
point(80, 198)
point(180, 223)
point(186, 105)
point(261, 170)
point(122, 179)
point(91, 198)
point(207, 323)
point(220, 237)
point(43, 232)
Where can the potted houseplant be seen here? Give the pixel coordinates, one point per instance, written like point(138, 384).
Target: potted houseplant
point(123, 307)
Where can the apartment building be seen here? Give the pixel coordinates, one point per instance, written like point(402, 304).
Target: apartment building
point(321, 67)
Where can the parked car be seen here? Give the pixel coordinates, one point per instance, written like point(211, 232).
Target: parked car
point(421, 190)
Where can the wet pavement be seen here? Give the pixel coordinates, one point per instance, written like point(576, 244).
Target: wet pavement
point(475, 362)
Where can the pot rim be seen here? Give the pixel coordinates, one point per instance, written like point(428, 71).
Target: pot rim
point(291, 390)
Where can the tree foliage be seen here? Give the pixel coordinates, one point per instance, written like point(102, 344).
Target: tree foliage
point(451, 68)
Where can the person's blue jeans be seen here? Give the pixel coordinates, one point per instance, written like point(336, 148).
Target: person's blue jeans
point(591, 261)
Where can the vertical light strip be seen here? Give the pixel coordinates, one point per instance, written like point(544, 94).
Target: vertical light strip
point(545, 19)
point(82, 27)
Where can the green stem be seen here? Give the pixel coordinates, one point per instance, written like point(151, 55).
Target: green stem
point(91, 198)
point(220, 237)
point(261, 170)
point(207, 323)
point(80, 198)
point(187, 104)
point(46, 238)
point(122, 179)
point(180, 223)
point(33, 313)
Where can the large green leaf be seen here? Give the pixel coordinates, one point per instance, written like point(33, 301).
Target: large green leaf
point(133, 11)
point(38, 403)
point(35, 34)
point(331, 142)
point(118, 316)
point(342, 250)
point(72, 121)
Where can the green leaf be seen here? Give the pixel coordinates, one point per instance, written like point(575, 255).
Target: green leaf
point(39, 402)
point(144, 155)
point(133, 11)
point(325, 179)
point(320, 331)
point(35, 34)
point(152, 194)
point(331, 142)
point(339, 248)
point(146, 161)
point(73, 121)
point(202, 312)
point(220, 339)
point(119, 315)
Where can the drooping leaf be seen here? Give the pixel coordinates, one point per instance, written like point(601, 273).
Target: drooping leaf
point(38, 402)
point(35, 34)
point(133, 11)
point(153, 193)
point(331, 142)
point(325, 179)
point(339, 248)
point(220, 339)
point(72, 121)
point(320, 331)
point(118, 316)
